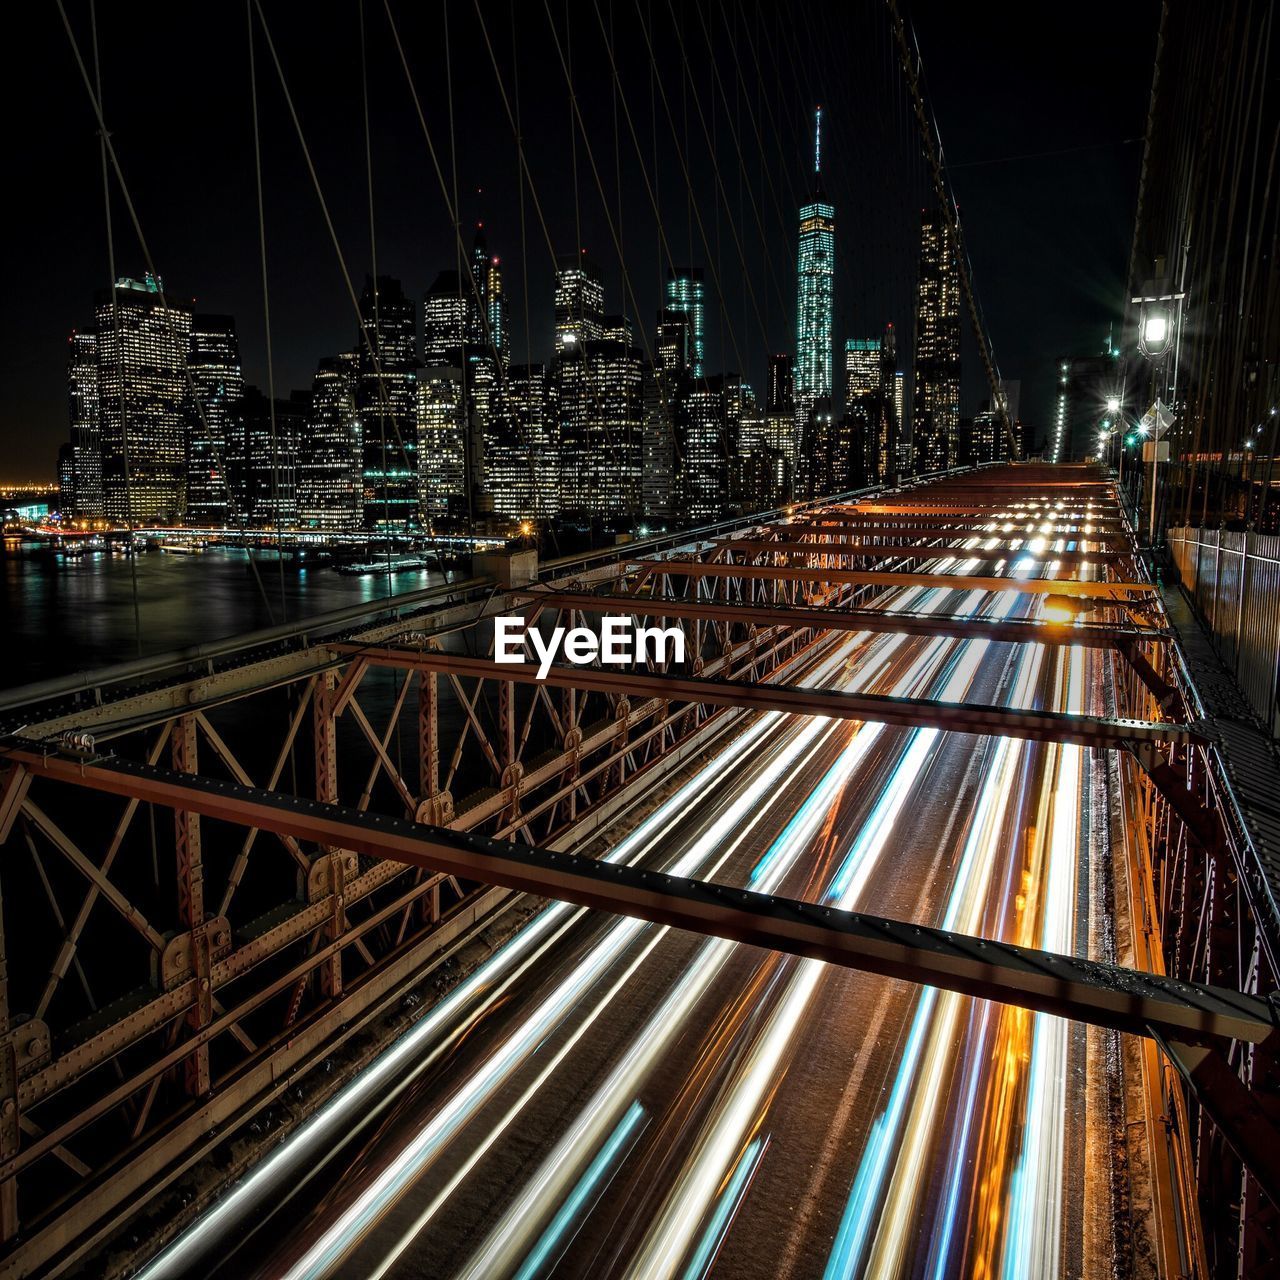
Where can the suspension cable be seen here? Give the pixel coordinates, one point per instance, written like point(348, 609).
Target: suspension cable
point(115, 325)
point(947, 207)
point(266, 312)
point(96, 102)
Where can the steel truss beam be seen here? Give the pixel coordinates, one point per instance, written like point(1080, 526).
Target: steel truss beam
point(1248, 1125)
point(1088, 991)
point(1113, 591)
point(969, 510)
point(1016, 630)
point(911, 551)
point(899, 529)
point(1125, 640)
point(965, 512)
point(957, 717)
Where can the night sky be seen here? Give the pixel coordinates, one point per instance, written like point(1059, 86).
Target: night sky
point(1041, 120)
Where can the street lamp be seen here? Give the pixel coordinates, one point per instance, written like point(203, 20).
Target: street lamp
point(1113, 404)
point(1159, 307)
point(1159, 310)
point(1153, 331)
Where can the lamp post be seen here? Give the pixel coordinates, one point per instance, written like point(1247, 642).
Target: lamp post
point(1159, 317)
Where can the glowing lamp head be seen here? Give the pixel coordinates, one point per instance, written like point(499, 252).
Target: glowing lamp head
point(1154, 330)
point(1113, 404)
point(1060, 611)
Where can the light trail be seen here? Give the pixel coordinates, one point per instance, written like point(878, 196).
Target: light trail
point(504, 1242)
point(1013, 1092)
point(347, 1232)
point(1030, 1243)
point(690, 1198)
point(614, 1149)
point(394, 1071)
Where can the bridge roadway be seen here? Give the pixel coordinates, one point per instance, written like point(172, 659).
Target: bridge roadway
point(608, 1097)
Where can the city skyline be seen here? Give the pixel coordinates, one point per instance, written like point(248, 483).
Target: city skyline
point(307, 322)
point(421, 426)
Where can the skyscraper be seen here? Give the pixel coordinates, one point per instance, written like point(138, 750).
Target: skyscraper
point(217, 384)
point(496, 309)
point(781, 390)
point(579, 302)
point(861, 367)
point(142, 341)
point(815, 298)
point(521, 462)
point(885, 459)
point(330, 452)
point(686, 292)
point(449, 318)
point(871, 404)
point(987, 441)
point(704, 453)
point(780, 409)
point(263, 459)
point(86, 428)
point(903, 456)
point(935, 405)
point(617, 328)
point(823, 467)
point(387, 404)
point(442, 442)
point(765, 482)
point(663, 393)
point(66, 480)
point(494, 331)
point(665, 396)
point(753, 423)
point(601, 414)
point(672, 350)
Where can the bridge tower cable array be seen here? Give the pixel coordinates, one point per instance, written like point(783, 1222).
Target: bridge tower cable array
point(912, 69)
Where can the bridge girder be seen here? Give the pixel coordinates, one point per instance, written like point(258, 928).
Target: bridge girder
point(1126, 640)
point(1116, 592)
point(1100, 536)
point(907, 551)
point(956, 717)
point(1088, 991)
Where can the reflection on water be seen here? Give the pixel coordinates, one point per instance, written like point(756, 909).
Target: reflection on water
point(65, 614)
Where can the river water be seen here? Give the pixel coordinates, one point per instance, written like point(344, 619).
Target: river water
point(62, 614)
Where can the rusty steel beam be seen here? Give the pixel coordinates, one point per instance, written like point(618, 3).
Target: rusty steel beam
point(14, 786)
point(1012, 630)
point(955, 717)
point(1116, 538)
point(880, 578)
point(909, 551)
point(1020, 484)
point(1248, 1125)
point(1088, 991)
point(963, 510)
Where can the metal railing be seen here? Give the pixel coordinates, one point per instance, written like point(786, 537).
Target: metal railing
point(1234, 579)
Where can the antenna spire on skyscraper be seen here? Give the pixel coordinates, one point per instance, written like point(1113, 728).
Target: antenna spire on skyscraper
point(817, 142)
